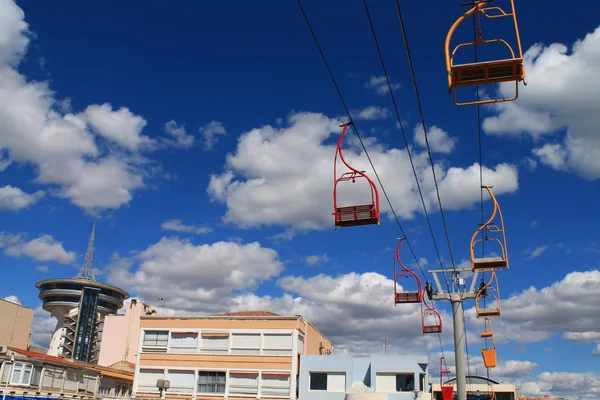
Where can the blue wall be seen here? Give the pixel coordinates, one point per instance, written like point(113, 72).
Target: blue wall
point(359, 369)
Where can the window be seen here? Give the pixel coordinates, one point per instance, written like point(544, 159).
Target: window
point(211, 382)
point(328, 381)
point(277, 344)
point(274, 384)
point(154, 340)
point(181, 381)
point(422, 382)
point(243, 383)
point(318, 381)
point(391, 383)
point(245, 343)
point(184, 342)
point(148, 378)
point(18, 374)
point(405, 382)
point(215, 343)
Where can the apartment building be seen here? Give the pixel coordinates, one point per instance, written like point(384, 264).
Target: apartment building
point(245, 354)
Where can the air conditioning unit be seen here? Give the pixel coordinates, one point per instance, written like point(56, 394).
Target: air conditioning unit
point(3, 349)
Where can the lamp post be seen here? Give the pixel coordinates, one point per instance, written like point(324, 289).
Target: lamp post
point(162, 385)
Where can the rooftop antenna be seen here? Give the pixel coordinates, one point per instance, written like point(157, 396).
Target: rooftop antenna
point(86, 269)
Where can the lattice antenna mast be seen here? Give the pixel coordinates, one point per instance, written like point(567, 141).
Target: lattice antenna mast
point(86, 269)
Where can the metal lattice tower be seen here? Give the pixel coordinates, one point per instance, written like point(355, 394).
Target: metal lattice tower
point(86, 269)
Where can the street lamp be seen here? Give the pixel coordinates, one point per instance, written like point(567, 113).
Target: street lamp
point(162, 385)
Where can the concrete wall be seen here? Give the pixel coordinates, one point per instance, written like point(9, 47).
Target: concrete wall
point(361, 369)
point(15, 324)
point(120, 336)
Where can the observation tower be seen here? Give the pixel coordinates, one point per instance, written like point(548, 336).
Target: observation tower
point(79, 305)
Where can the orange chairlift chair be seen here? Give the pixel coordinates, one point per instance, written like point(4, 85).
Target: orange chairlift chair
point(489, 353)
point(400, 270)
point(355, 215)
point(496, 229)
point(509, 69)
point(488, 291)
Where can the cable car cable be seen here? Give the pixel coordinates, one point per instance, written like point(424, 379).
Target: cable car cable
point(405, 140)
point(416, 89)
point(314, 36)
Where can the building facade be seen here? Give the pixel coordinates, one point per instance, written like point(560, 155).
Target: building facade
point(247, 354)
point(120, 334)
point(25, 375)
point(392, 377)
point(15, 324)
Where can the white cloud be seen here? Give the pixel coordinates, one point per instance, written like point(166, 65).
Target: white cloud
point(14, 33)
point(211, 133)
point(42, 268)
point(14, 199)
point(282, 176)
point(317, 259)
point(43, 248)
point(439, 140)
point(380, 86)
point(195, 277)
point(534, 224)
point(372, 113)
point(42, 327)
point(582, 385)
point(62, 147)
point(121, 127)
point(179, 226)
point(535, 252)
point(180, 137)
point(562, 95)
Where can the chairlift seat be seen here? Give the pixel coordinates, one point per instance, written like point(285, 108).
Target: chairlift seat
point(365, 214)
point(409, 297)
point(479, 73)
point(489, 263)
point(489, 357)
point(488, 312)
point(432, 328)
point(487, 334)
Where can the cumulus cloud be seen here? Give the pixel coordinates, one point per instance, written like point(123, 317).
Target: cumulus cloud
point(316, 259)
point(178, 226)
point(372, 113)
point(282, 176)
point(121, 127)
point(211, 132)
point(439, 140)
point(91, 158)
point(180, 138)
point(561, 97)
point(380, 86)
point(43, 248)
point(191, 276)
point(14, 199)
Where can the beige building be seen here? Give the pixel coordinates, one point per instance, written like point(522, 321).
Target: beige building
point(15, 324)
point(120, 334)
point(246, 354)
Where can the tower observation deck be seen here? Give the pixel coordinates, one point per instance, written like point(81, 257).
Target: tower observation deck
point(79, 305)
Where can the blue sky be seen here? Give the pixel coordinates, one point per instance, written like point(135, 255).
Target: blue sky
point(200, 137)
